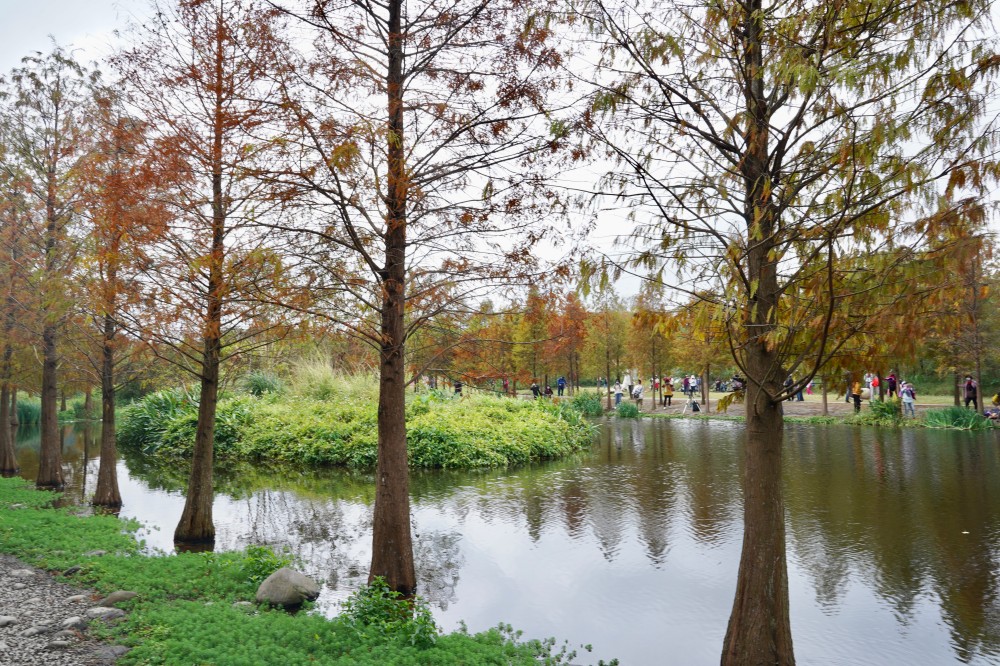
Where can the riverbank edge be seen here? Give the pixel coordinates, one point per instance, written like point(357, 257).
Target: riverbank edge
point(199, 607)
point(852, 420)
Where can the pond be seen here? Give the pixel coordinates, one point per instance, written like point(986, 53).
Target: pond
point(893, 538)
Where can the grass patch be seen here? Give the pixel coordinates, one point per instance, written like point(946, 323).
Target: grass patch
point(29, 411)
point(184, 613)
point(957, 418)
point(588, 404)
point(627, 410)
point(442, 431)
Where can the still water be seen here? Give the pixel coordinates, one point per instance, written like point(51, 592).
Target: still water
point(893, 538)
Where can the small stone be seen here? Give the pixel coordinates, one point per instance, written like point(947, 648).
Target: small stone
point(7, 620)
point(117, 598)
point(17, 505)
point(76, 598)
point(111, 652)
point(19, 586)
point(242, 604)
point(65, 635)
point(58, 645)
point(46, 622)
point(22, 573)
point(33, 600)
point(4, 647)
point(72, 570)
point(34, 631)
point(105, 613)
point(95, 553)
point(75, 622)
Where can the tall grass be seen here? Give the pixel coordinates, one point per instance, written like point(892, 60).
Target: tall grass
point(588, 403)
point(29, 411)
point(627, 410)
point(315, 378)
point(957, 418)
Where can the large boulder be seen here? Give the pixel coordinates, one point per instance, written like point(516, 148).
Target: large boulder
point(287, 587)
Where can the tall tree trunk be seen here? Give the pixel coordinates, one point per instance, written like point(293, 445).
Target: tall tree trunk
point(759, 630)
point(705, 388)
point(88, 401)
point(62, 400)
point(8, 460)
point(392, 544)
point(13, 406)
point(196, 528)
point(826, 405)
point(107, 493)
point(50, 473)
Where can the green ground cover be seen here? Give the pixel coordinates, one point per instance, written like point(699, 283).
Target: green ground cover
point(185, 612)
point(333, 426)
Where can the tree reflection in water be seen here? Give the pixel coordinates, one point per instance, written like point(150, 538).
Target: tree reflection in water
point(649, 525)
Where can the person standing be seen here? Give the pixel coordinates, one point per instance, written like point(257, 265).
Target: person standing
point(909, 396)
point(561, 385)
point(856, 396)
point(668, 393)
point(628, 382)
point(686, 386)
point(637, 393)
point(970, 393)
point(890, 384)
point(618, 393)
point(535, 391)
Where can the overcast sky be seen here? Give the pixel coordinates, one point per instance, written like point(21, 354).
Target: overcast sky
point(87, 25)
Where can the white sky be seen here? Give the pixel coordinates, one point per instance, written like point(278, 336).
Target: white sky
point(86, 25)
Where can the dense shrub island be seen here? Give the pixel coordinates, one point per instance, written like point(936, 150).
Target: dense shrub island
point(184, 612)
point(443, 431)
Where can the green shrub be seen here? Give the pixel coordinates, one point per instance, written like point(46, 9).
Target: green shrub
point(143, 424)
point(258, 383)
point(627, 410)
point(957, 418)
point(29, 411)
point(378, 611)
point(589, 404)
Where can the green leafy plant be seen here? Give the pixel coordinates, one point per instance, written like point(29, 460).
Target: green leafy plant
point(957, 418)
point(259, 383)
point(377, 610)
point(627, 410)
point(259, 562)
point(589, 404)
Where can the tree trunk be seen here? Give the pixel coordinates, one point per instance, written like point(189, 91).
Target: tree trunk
point(50, 474)
point(8, 460)
point(107, 494)
point(88, 402)
point(958, 399)
point(196, 528)
point(705, 388)
point(607, 360)
point(62, 400)
point(759, 630)
point(826, 405)
point(13, 406)
point(392, 544)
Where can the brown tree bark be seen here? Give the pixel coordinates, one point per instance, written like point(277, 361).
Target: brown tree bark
point(392, 545)
point(106, 493)
point(50, 474)
point(8, 459)
point(759, 630)
point(13, 406)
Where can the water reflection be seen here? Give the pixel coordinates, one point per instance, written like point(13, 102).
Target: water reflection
point(892, 538)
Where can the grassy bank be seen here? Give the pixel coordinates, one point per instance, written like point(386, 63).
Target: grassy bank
point(332, 426)
point(185, 612)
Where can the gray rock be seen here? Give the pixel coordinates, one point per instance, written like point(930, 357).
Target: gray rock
point(111, 652)
point(105, 613)
point(65, 635)
point(243, 604)
point(22, 573)
point(7, 620)
point(76, 598)
point(72, 570)
point(75, 622)
point(287, 587)
point(32, 601)
point(35, 630)
point(95, 553)
point(58, 645)
point(4, 647)
point(19, 586)
point(117, 598)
